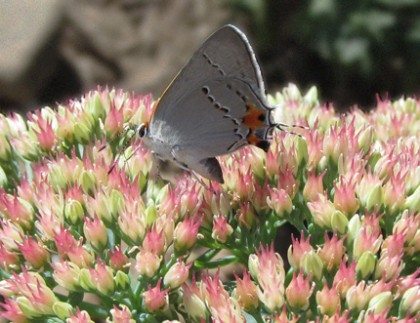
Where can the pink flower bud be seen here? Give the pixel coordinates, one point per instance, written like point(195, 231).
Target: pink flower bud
point(332, 252)
point(285, 316)
point(357, 297)
point(118, 260)
point(389, 266)
point(81, 255)
point(322, 211)
point(43, 129)
point(328, 300)
point(16, 209)
point(177, 274)
point(95, 232)
point(394, 192)
point(64, 242)
point(34, 252)
point(246, 291)
point(9, 260)
point(66, 274)
point(221, 229)
point(193, 301)
point(345, 278)
point(153, 241)
point(37, 298)
point(186, 232)
point(407, 225)
point(299, 291)
point(12, 312)
point(297, 250)
point(121, 314)
point(345, 197)
point(147, 263)
point(314, 142)
point(114, 121)
point(222, 306)
point(267, 268)
point(102, 278)
point(155, 299)
point(79, 317)
point(313, 186)
point(133, 225)
point(246, 214)
point(10, 235)
point(406, 282)
point(366, 241)
point(190, 199)
point(280, 202)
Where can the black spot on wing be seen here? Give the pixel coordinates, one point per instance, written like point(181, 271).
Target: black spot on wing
point(264, 145)
point(213, 64)
point(205, 90)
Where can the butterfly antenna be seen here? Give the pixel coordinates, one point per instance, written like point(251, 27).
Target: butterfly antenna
point(282, 126)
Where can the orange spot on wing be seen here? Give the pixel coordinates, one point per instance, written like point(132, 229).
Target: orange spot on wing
point(252, 139)
point(254, 117)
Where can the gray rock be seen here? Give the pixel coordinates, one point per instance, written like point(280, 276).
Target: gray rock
point(28, 50)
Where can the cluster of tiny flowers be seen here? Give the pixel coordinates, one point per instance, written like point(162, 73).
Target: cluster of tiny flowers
point(88, 232)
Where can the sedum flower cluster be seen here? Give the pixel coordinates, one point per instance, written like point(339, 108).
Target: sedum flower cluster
point(88, 233)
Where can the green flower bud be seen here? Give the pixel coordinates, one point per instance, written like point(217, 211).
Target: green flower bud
point(3, 178)
point(410, 301)
point(366, 264)
point(339, 222)
point(353, 228)
point(81, 132)
point(365, 139)
point(96, 107)
point(87, 180)
point(311, 263)
point(381, 302)
point(412, 202)
point(27, 307)
point(311, 96)
point(56, 176)
point(301, 150)
point(5, 150)
point(151, 214)
point(73, 211)
point(117, 202)
point(122, 280)
point(62, 310)
point(85, 280)
point(375, 197)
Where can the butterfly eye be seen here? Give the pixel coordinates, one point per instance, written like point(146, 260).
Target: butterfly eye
point(142, 130)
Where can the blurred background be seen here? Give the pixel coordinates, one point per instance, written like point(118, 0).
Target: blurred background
point(52, 50)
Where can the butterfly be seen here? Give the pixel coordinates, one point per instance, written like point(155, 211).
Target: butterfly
point(214, 106)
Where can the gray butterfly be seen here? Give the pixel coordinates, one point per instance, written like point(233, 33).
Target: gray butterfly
point(214, 106)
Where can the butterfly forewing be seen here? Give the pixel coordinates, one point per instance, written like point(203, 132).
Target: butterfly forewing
point(225, 54)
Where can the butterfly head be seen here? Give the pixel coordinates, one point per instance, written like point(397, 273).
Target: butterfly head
point(142, 130)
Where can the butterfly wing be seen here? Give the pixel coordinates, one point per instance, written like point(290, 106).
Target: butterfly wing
point(214, 106)
point(226, 53)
